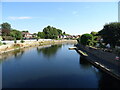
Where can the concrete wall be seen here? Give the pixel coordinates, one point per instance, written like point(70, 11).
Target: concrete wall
point(18, 41)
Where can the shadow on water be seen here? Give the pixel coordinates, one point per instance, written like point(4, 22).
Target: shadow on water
point(104, 80)
point(107, 81)
point(84, 63)
point(49, 51)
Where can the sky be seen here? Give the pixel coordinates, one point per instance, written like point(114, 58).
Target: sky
point(74, 18)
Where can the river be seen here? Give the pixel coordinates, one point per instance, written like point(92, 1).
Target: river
point(52, 66)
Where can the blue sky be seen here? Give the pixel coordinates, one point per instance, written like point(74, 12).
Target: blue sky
point(72, 17)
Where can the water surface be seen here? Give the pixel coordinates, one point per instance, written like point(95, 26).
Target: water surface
point(54, 66)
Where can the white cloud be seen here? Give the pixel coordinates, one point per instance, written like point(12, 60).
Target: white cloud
point(16, 18)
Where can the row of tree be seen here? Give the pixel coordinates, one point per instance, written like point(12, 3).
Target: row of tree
point(48, 32)
point(110, 34)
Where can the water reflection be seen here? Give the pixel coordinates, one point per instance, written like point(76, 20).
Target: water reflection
point(49, 51)
point(66, 70)
point(16, 54)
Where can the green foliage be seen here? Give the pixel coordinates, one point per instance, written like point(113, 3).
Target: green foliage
point(8, 38)
point(41, 34)
point(15, 41)
point(4, 43)
point(22, 41)
point(64, 33)
point(87, 39)
point(50, 32)
point(16, 34)
point(25, 31)
point(94, 33)
point(111, 33)
point(6, 26)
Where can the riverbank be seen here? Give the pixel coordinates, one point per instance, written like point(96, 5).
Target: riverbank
point(12, 47)
point(100, 59)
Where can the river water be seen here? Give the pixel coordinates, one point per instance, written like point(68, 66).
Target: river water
point(52, 66)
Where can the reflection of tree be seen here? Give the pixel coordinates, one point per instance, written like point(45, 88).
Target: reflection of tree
point(49, 51)
point(84, 63)
point(18, 53)
point(107, 81)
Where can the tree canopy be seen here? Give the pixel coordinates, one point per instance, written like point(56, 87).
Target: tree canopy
point(6, 26)
point(16, 34)
point(85, 39)
point(111, 33)
point(51, 32)
point(41, 34)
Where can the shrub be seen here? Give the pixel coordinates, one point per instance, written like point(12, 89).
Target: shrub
point(15, 41)
point(86, 39)
point(4, 43)
point(22, 41)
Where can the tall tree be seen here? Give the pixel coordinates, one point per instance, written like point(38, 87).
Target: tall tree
point(111, 33)
point(50, 32)
point(6, 27)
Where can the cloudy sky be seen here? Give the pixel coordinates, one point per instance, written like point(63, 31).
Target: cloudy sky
point(72, 17)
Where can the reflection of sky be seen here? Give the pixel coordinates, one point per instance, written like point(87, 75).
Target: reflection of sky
point(34, 66)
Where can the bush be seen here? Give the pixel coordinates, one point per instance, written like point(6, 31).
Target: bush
point(4, 43)
point(22, 41)
point(86, 39)
point(15, 41)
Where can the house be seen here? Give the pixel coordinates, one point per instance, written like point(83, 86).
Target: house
point(27, 35)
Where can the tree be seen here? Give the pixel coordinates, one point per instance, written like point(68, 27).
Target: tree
point(59, 32)
point(50, 32)
point(6, 27)
point(111, 33)
point(85, 39)
point(64, 33)
point(94, 33)
point(41, 34)
point(16, 34)
point(25, 31)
